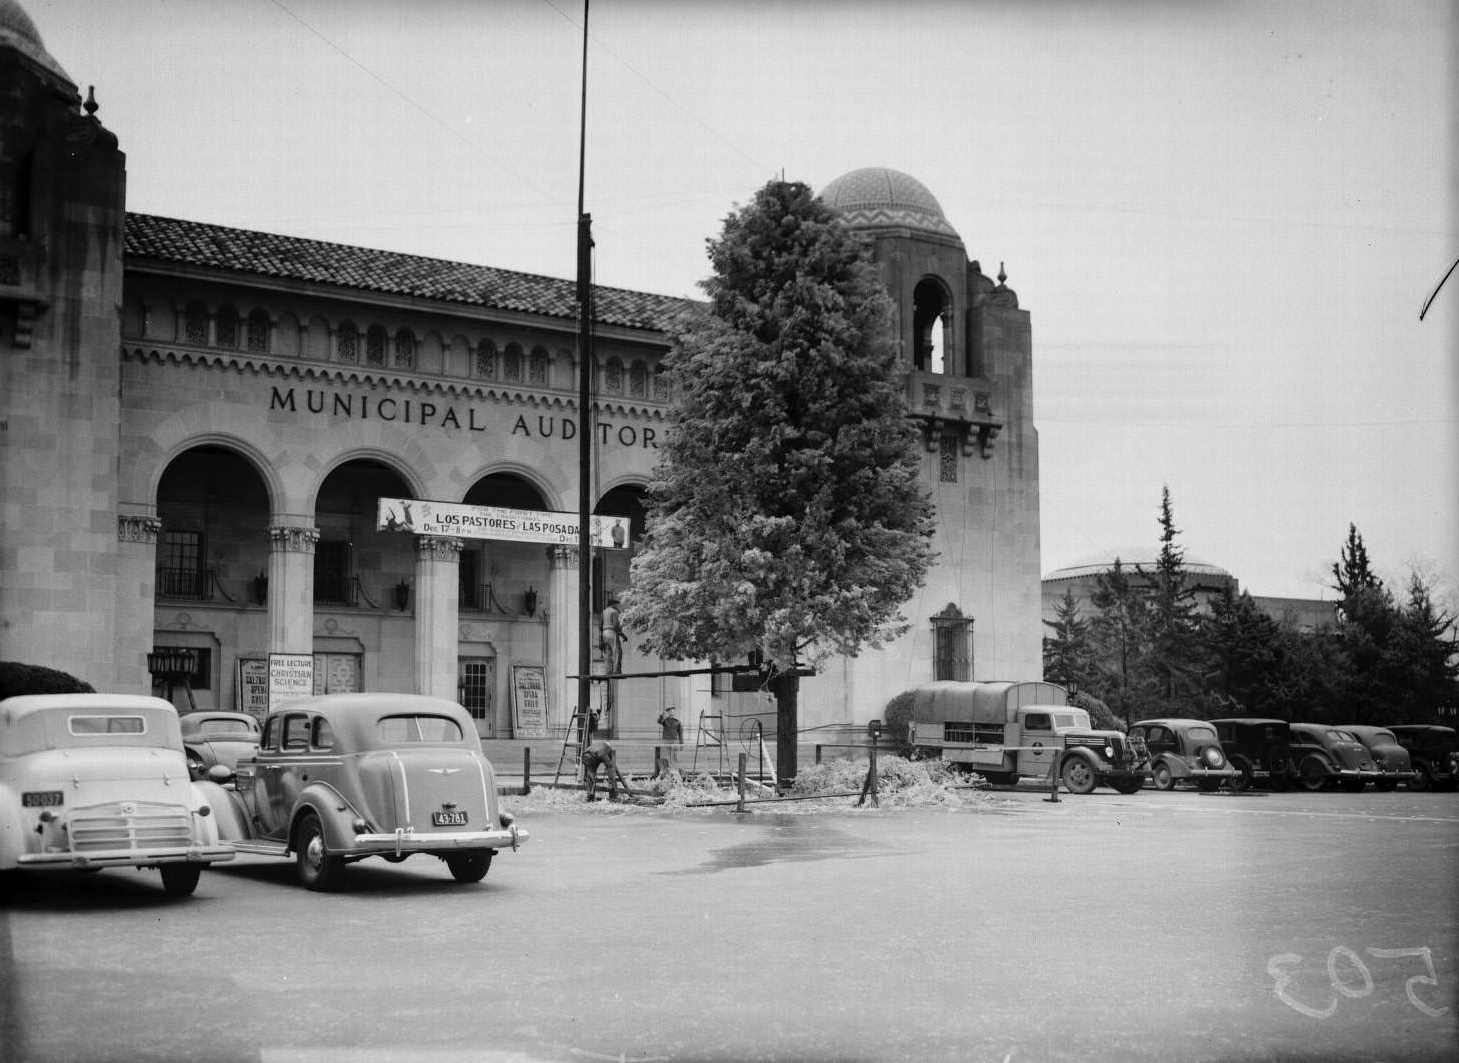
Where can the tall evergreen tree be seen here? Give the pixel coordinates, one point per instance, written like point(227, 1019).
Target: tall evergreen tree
point(1120, 629)
point(1426, 655)
point(1351, 572)
point(1246, 653)
point(786, 516)
point(1176, 654)
point(1069, 654)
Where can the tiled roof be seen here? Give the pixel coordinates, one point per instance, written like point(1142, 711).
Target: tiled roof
point(314, 261)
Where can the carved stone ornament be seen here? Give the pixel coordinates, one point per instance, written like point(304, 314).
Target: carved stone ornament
point(562, 556)
point(137, 529)
point(438, 547)
point(292, 539)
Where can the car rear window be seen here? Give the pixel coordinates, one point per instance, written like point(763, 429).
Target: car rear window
point(418, 728)
point(107, 725)
point(1202, 734)
point(226, 727)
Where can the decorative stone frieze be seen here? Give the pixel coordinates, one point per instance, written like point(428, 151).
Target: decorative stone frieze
point(563, 556)
point(132, 529)
point(292, 539)
point(438, 548)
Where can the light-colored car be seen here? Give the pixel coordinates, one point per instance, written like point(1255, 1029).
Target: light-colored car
point(342, 777)
point(211, 738)
point(89, 781)
point(1394, 765)
point(1184, 750)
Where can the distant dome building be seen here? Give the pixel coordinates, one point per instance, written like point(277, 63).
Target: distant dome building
point(878, 199)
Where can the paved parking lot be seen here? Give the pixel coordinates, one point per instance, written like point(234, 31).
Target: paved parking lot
point(1178, 926)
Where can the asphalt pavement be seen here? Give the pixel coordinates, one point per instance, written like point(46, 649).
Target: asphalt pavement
point(1181, 926)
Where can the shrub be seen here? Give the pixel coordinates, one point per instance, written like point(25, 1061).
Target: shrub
point(17, 678)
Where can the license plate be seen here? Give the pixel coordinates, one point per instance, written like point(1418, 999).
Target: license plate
point(42, 799)
point(448, 819)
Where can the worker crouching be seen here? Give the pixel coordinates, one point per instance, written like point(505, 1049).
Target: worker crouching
point(600, 754)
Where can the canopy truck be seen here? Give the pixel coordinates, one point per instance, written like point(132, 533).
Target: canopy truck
point(1006, 730)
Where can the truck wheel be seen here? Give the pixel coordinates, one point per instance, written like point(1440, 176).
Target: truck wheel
point(318, 869)
point(1314, 776)
point(469, 867)
point(1164, 777)
point(1078, 776)
point(179, 880)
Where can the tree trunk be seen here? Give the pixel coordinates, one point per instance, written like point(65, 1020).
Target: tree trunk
point(786, 688)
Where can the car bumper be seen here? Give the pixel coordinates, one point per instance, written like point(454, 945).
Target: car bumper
point(403, 843)
point(197, 854)
point(1363, 774)
point(1212, 773)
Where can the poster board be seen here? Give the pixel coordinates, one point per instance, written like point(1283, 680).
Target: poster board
point(529, 701)
point(290, 676)
point(253, 687)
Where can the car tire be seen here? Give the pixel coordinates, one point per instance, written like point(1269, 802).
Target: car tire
point(179, 880)
point(469, 867)
point(1078, 776)
point(1422, 780)
point(1241, 781)
point(1164, 778)
point(1313, 775)
point(318, 868)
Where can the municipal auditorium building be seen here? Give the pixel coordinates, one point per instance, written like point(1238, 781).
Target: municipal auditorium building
point(198, 423)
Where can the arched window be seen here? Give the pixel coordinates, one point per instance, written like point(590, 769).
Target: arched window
point(512, 364)
point(931, 324)
point(348, 342)
point(375, 345)
point(258, 330)
point(952, 652)
point(638, 381)
point(613, 376)
point(195, 323)
point(225, 327)
point(486, 360)
point(537, 371)
point(405, 349)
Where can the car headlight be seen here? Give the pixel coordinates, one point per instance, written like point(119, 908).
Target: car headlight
point(507, 818)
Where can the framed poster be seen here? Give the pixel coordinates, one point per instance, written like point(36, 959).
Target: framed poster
point(290, 676)
point(529, 701)
point(253, 686)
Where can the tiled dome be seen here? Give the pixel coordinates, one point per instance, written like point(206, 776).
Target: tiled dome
point(878, 198)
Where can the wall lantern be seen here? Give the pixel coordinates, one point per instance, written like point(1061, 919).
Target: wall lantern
point(402, 596)
point(529, 601)
point(260, 589)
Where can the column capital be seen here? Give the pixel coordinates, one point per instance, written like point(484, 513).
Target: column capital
point(438, 548)
point(293, 539)
point(133, 529)
point(561, 556)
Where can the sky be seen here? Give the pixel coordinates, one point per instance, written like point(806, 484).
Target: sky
point(1224, 218)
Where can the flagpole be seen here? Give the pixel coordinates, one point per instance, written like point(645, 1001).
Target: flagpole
point(585, 417)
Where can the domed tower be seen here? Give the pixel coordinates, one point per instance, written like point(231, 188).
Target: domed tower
point(62, 211)
point(968, 350)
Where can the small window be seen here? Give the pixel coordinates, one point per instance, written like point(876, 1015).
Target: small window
point(227, 727)
point(107, 725)
point(486, 360)
point(347, 342)
point(226, 327)
point(613, 376)
point(321, 734)
point(296, 731)
point(270, 733)
point(405, 349)
point(512, 364)
point(537, 371)
point(258, 331)
point(397, 729)
point(375, 346)
point(953, 645)
point(195, 324)
point(638, 381)
point(1037, 721)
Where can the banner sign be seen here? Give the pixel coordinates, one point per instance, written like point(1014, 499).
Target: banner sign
point(290, 676)
point(424, 517)
point(253, 687)
point(529, 701)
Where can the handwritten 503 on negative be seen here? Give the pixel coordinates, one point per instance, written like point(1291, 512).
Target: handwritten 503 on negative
point(1343, 982)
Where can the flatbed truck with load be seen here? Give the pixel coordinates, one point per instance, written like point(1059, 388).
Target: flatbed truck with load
point(1007, 730)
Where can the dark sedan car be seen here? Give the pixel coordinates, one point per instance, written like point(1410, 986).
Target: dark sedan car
point(1434, 751)
point(1392, 759)
point(1259, 749)
point(1325, 755)
point(217, 738)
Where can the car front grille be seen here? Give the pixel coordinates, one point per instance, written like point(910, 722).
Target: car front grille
point(129, 826)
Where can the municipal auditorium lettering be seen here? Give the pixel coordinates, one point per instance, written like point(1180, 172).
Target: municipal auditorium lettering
point(431, 414)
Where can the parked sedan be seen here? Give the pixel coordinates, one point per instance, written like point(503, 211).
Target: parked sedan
point(1392, 759)
point(342, 777)
point(1434, 751)
point(1187, 750)
point(1259, 749)
point(1325, 755)
point(89, 781)
point(218, 738)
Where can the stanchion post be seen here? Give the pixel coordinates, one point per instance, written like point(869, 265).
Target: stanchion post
point(743, 760)
point(526, 770)
point(870, 786)
point(1054, 775)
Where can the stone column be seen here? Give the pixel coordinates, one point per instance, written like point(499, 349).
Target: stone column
point(136, 600)
point(291, 588)
point(562, 634)
point(437, 615)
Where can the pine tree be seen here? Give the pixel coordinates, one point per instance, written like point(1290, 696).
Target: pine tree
point(1351, 571)
point(1120, 629)
point(1177, 656)
point(786, 516)
point(1246, 653)
point(1069, 654)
